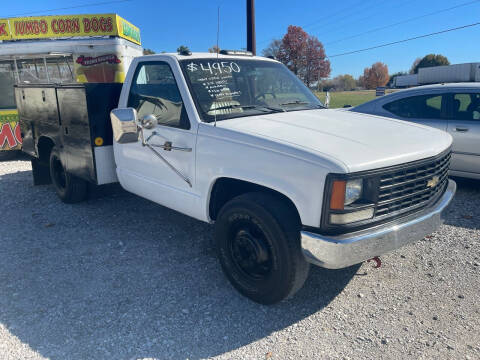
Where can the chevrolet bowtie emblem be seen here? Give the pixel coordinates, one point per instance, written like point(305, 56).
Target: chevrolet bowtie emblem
point(433, 182)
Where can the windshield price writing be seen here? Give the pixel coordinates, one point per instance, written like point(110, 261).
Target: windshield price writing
point(217, 67)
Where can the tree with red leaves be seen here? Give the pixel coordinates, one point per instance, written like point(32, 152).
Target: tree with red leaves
point(375, 76)
point(304, 55)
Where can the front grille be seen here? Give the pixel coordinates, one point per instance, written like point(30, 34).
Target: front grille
point(412, 187)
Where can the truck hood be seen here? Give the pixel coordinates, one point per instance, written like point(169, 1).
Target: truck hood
point(355, 141)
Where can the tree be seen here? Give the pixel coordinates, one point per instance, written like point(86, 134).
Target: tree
point(148, 51)
point(183, 49)
point(344, 83)
point(304, 55)
point(375, 76)
point(326, 85)
point(414, 65)
point(272, 49)
point(393, 76)
point(431, 60)
point(292, 48)
point(214, 49)
point(316, 66)
point(361, 81)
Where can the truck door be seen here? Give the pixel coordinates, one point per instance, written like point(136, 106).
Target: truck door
point(163, 172)
point(464, 126)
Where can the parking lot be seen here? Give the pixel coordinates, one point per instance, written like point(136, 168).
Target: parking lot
point(119, 277)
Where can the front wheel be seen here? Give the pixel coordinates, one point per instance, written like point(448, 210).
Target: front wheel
point(258, 242)
point(70, 189)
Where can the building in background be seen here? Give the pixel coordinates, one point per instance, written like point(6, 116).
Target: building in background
point(469, 72)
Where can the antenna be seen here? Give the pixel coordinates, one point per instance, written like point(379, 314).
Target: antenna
point(218, 34)
point(218, 28)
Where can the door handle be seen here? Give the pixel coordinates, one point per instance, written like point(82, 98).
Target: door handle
point(461, 129)
point(169, 147)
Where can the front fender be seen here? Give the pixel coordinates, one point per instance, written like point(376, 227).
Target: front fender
point(301, 179)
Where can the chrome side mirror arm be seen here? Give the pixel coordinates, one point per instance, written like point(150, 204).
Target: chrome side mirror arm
point(146, 123)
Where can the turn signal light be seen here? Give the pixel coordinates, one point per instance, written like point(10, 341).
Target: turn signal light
point(337, 199)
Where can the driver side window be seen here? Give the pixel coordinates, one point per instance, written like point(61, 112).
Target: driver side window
point(154, 91)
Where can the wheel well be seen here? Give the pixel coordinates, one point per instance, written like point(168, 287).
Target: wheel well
point(44, 147)
point(226, 189)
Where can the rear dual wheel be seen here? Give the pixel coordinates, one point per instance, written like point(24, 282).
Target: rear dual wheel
point(258, 242)
point(70, 189)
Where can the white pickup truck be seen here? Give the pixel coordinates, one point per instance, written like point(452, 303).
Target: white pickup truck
point(239, 141)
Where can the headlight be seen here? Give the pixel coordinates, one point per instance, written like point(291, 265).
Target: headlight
point(349, 200)
point(345, 193)
point(353, 191)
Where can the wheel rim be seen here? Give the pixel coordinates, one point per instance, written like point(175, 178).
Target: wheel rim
point(250, 251)
point(59, 173)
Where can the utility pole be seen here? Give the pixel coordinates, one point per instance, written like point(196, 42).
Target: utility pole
point(251, 45)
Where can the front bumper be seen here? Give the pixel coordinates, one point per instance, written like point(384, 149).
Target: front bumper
point(335, 252)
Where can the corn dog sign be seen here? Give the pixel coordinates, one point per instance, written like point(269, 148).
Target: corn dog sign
point(43, 27)
point(10, 135)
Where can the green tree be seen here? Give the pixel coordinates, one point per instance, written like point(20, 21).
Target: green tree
point(148, 51)
point(344, 83)
point(183, 49)
point(326, 85)
point(431, 60)
point(414, 65)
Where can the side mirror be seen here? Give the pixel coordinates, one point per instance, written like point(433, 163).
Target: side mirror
point(124, 125)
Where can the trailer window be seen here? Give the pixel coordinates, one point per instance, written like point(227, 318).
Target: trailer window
point(7, 80)
point(31, 71)
point(60, 70)
point(154, 91)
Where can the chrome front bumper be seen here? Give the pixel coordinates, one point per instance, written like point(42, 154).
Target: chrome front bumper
point(348, 249)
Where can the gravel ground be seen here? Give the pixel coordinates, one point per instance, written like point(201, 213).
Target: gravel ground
point(118, 277)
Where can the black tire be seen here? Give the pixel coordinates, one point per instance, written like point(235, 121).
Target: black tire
point(70, 189)
point(258, 243)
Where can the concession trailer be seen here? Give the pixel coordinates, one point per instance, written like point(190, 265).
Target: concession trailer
point(63, 49)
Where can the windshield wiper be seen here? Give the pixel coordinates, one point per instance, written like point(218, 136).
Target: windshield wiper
point(257, 107)
point(296, 102)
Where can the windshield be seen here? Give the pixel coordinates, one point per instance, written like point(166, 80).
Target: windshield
point(227, 88)
point(7, 80)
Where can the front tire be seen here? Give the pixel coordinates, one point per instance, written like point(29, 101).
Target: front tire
point(258, 242)
point(70, 189)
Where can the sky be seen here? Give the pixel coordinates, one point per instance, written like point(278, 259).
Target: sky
point(165, 25)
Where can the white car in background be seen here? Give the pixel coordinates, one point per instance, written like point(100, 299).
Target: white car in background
point(454, 108)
